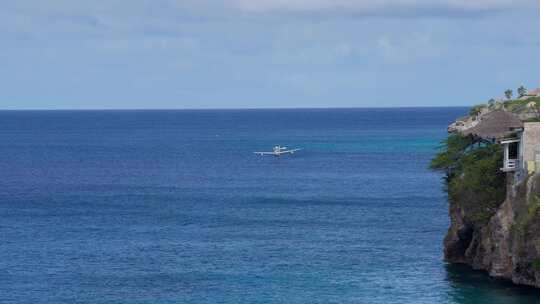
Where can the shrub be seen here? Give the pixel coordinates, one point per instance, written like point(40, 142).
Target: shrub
point(524, 220)
point(473, 176)
point(475, 110)
point(535, 264)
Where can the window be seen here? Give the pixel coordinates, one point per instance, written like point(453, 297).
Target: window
point(513, 150)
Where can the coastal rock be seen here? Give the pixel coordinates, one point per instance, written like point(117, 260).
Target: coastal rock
point(508, 245)
point(461, 124)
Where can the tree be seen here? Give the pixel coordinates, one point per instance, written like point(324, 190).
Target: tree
point(508, 93)
point(522, 91)
point(474, 180)
point(475, 110)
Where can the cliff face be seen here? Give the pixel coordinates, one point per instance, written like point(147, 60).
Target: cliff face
point(507, 244)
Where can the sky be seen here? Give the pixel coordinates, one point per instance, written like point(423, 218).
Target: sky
point(139, 54)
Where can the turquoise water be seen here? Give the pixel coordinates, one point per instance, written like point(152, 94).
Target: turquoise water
point(173, 207)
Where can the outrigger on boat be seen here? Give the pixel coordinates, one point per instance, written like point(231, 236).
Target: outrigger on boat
point(278, 151)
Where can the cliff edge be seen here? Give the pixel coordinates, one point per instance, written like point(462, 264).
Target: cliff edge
point(507, 245)
point(491, 161)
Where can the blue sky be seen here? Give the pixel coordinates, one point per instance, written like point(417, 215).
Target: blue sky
point(66, 54)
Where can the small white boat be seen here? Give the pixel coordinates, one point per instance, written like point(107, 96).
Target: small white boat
point(278, 151)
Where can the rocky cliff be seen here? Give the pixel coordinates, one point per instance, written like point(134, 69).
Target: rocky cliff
point(507, 243)
point(495, 215)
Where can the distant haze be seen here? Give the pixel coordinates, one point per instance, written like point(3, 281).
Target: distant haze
point(264, 53)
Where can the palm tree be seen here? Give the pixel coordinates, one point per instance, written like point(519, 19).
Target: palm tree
point(491, 103)
point(508, 93)
point(522, 91)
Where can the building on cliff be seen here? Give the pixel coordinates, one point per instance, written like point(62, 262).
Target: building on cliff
point(531, 93)
point(520, 140)
point(522, 150)
point(522, 153)
point(495, 125)
point(495, 221)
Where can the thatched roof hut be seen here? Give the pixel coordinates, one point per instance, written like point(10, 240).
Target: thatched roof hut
point(495, 125)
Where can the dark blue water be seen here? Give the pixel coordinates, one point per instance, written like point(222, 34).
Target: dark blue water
point(173, 207)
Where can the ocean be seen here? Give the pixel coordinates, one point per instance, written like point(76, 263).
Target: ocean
point(170, 206)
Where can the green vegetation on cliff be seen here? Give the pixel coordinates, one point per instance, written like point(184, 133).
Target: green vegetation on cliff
point(524, 219)
point(473, 176)
point(490, 229)
point(518, 105)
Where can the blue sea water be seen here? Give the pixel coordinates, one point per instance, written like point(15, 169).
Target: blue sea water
point(173, 207)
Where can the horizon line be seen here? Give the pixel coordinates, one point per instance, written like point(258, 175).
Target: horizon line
point(238, 108)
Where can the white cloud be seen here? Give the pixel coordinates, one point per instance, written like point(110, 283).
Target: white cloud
point(343, 50)
point(384, 44)
point(217, 6)
point(374, 5)
point(114, 12)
